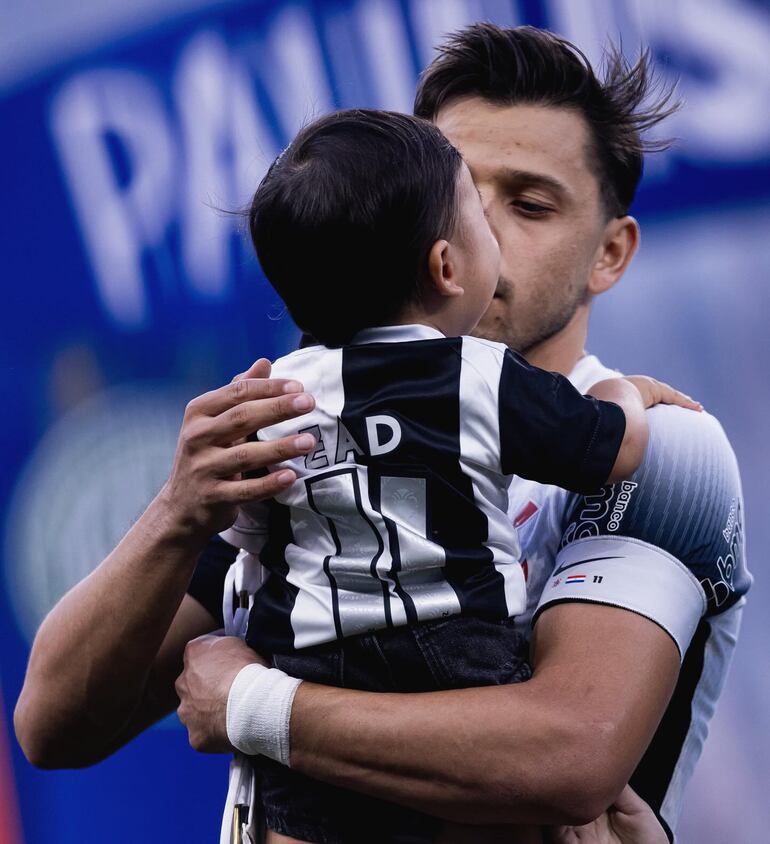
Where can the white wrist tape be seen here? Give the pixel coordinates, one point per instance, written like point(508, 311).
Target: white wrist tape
point(258, 711)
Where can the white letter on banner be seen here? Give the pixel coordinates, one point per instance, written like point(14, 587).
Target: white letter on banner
point(226, 152)
point(384, 37)
point(117, 221)
point(292, 68)
point(434, 20)
point(726, 116)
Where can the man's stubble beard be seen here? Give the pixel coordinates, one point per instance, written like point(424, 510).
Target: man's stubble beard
point(524, 331)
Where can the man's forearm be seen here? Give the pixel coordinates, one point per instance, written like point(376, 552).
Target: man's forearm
point(92, 656)
point(433, 753)
point(556, 749)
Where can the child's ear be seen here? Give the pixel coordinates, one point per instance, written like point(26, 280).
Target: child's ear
point(442, 270)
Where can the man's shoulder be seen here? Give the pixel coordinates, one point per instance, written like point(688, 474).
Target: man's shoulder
point(684, 500)
point(690, 456)
point(703, 429)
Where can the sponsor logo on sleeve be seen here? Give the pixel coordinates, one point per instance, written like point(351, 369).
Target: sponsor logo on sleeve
point(621, 503)
point(605, 507)
point(722, 586)
point(731, 521)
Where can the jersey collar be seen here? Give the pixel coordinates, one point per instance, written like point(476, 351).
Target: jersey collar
point(396, 334)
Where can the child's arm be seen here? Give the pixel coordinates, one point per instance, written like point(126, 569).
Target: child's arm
point(552, 434)
point(634, 395)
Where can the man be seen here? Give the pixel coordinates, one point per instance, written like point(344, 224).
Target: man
point(639, 588)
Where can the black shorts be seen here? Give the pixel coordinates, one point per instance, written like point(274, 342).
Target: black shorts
point(453, 653)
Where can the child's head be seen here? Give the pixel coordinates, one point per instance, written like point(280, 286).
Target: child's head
point(367, 216)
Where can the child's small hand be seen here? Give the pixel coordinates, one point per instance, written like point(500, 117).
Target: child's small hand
point(656, 392)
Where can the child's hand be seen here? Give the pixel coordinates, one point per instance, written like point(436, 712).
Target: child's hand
point(656, 392)
point(629, 821)
point(634, 395)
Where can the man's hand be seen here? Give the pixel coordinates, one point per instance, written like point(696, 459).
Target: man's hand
point(211, 663)
point(628, 821)
point(207, 481)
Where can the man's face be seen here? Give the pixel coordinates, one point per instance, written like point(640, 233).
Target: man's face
point(531, 164)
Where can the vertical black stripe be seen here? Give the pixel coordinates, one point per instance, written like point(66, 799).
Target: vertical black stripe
point(653, 775)
point(270, 629)
point(418, 383)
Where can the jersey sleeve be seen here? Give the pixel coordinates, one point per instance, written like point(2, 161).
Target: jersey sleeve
point(552, 434)
point(208, 580)
point(669, 542)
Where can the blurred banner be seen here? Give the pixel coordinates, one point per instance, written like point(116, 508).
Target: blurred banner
point(133, 132)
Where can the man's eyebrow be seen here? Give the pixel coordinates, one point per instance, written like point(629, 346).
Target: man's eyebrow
point(528, 178)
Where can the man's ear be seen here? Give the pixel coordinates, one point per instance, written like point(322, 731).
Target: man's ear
point(619, 244)
point(442, 271)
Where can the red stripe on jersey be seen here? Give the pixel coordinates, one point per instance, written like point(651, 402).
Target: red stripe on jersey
point(525, 514)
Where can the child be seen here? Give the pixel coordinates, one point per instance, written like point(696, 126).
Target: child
point(391, 564)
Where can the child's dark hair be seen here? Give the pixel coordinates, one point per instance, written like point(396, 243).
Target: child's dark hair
point(345, 218)
point(529, 65)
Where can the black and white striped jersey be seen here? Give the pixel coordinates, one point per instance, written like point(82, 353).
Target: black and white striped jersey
point(400, 513)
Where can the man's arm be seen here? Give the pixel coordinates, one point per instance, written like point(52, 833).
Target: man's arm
point(628, 821)
point(556, 749)
point(103, 663)
point(97, 658)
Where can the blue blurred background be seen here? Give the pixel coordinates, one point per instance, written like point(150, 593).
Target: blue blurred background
point(126, 124)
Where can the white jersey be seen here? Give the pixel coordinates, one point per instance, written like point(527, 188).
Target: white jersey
point(667, 544)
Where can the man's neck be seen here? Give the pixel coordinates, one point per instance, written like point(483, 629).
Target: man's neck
point(561, 352)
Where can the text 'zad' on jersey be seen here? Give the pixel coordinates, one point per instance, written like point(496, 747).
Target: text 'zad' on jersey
point(400, 513)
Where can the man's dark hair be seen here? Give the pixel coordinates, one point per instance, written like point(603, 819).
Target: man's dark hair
point(534, 66)
point(345, 218)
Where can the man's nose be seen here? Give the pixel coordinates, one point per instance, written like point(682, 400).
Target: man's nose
point(491, 212)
